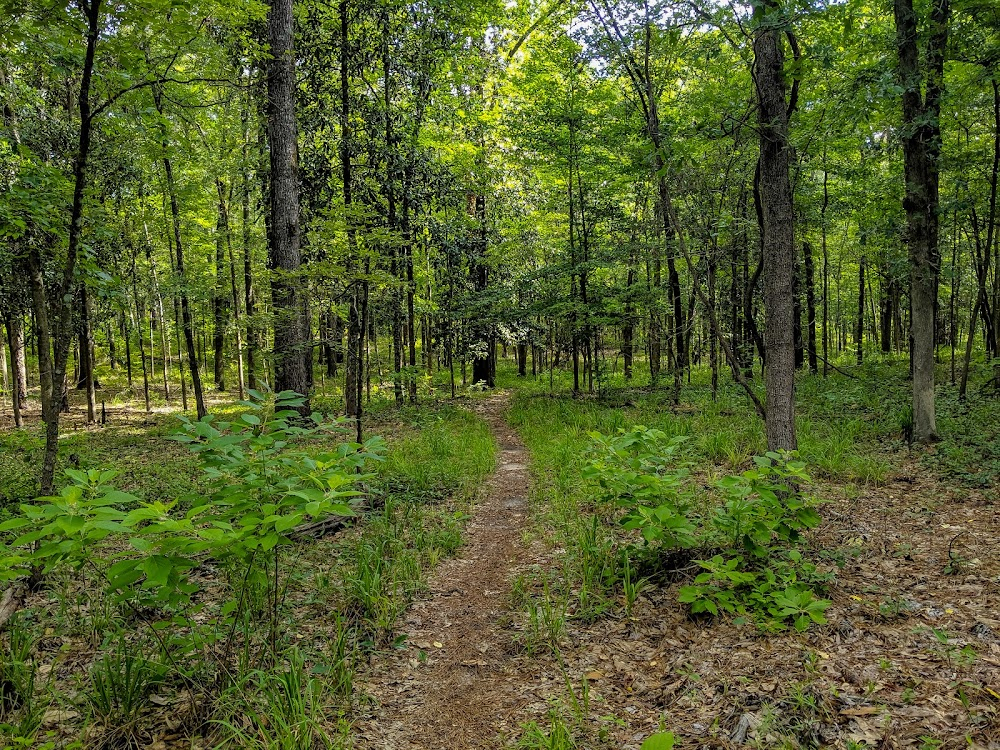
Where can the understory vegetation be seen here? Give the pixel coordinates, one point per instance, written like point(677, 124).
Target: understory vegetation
point(240, 611)
point(648, 508)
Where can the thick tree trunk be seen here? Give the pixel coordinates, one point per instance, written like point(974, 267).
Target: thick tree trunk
point(921, 137)
point(778, 229)
point(291, 328)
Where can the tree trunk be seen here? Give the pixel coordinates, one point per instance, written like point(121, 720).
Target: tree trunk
point(221, 297)
point(628, 330)
point(484, 362)
point(291, 331)
point(19, 374)
point(54, 340)
point(859, 328)
point(807, 254)
point(778, 230)
point(87, 357)
point(139, 323)
point(921, 137)
point(800, 344)
point(187, 322)
point(358, 301)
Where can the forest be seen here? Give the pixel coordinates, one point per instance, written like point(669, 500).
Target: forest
point(530, 374)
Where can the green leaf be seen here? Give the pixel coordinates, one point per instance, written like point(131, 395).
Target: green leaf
point(288, 522)
point(660, 741)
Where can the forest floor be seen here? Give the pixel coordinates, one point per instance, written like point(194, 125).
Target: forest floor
point(497, 637)
point(910, 656)
point(454, 684)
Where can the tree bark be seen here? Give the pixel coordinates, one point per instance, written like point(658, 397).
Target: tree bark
point(778, 227)
point(921, 136)
point(291, 330)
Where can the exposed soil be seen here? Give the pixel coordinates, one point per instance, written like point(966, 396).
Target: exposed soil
point(452, 685)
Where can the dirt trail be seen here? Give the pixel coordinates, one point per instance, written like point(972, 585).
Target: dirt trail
point(462, 695)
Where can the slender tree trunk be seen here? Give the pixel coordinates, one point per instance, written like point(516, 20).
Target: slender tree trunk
point(54, 340)
point(187, 322)
point(234, 298)
point(713, 351)
point(19, 374)
point(4, 370)
point(992, 239)
point(484, 363)
point(358, 302)
point(139, 318)
point(800, 344)
point(859, 328)
point(963, 385)
point(628, 330)
point(807, 253)
point(221, 297)
point(87, 353)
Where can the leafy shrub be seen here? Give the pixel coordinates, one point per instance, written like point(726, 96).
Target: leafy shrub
point(758, 525)
point(763, 505)
point(636, 469)
point(772, 594)
point(262, 483)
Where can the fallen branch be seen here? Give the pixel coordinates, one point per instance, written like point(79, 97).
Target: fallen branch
point(842, 372)
point(12, 601)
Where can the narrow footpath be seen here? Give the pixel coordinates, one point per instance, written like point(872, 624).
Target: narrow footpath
point(453, 686)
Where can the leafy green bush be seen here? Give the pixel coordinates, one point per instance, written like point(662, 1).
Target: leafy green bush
point(263, 481)
point(763, 505)
point(758, 525)
point(636, 469)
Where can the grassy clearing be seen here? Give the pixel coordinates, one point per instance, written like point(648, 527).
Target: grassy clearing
point(80, 669)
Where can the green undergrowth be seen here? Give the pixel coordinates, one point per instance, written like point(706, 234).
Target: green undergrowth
point(248, 633)
point(146, 460)
point(634, 491)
